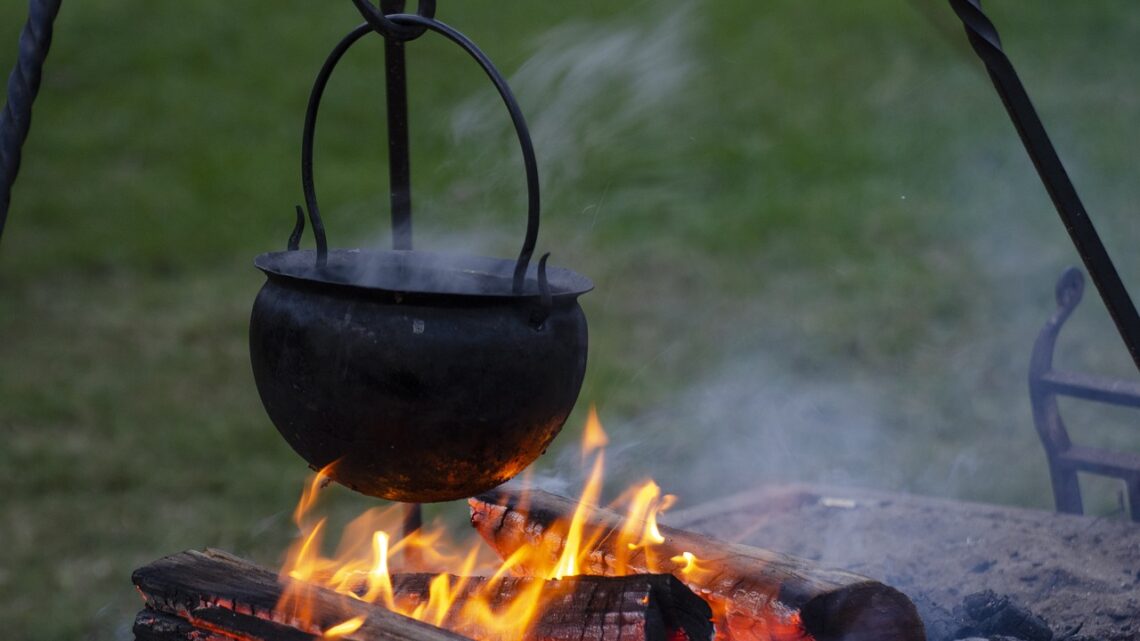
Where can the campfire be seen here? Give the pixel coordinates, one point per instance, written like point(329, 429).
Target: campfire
point(543, 568)
point(419, 377)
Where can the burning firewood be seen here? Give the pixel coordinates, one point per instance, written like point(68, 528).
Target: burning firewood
point(758, 595)
point(583, 608)
point(216, 596)
point(209, 588)
point(224, 625)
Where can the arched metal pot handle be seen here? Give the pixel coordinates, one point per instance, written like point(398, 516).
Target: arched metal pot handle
point(412, 20)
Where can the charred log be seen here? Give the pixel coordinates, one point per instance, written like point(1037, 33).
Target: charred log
point(212, 596)
point(583, 608)
point(151, 625)
point(758, 595)
point(209, 588)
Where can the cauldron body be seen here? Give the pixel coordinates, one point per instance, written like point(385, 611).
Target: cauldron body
point(421, 376)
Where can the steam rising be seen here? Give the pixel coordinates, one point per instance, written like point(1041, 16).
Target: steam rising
point(586, 89)
point(589, 86)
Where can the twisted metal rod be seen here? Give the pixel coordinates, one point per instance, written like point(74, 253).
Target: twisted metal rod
point(23, 85)
point(984, 39)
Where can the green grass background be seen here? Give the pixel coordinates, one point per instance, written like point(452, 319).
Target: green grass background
point(821, 253)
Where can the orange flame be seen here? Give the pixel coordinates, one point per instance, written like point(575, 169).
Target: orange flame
point(344, 629)
point(593, 436)
point(594, 440)
point(362, 565)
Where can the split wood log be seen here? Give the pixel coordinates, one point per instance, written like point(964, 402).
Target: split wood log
point(647, 607)
point(215, 592)
point(202, 587)
point(757, 595)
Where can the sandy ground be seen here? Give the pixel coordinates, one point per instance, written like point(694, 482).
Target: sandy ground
point(1080, 574)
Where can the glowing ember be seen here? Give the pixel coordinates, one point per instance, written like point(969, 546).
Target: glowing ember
point(361, 567)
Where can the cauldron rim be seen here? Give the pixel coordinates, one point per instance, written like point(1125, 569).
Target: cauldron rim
point(425, 273)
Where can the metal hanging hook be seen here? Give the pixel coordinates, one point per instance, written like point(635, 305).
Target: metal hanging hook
point(381, 22)
point(545, 299)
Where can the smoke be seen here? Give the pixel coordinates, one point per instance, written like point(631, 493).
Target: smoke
point(927, 339)
point(754, 422)
point(589, 87)
point(927, 394)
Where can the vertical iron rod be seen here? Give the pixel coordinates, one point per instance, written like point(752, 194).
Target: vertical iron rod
point(23, 85)
point(987, 45)
point(413, 517)
point(399, 163)
point(400, 192)
point(413, 521)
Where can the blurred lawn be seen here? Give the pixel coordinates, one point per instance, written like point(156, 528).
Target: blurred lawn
point(816, 239)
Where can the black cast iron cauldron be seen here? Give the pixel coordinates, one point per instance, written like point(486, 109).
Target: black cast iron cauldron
point(420, 376)
point(430, 382)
